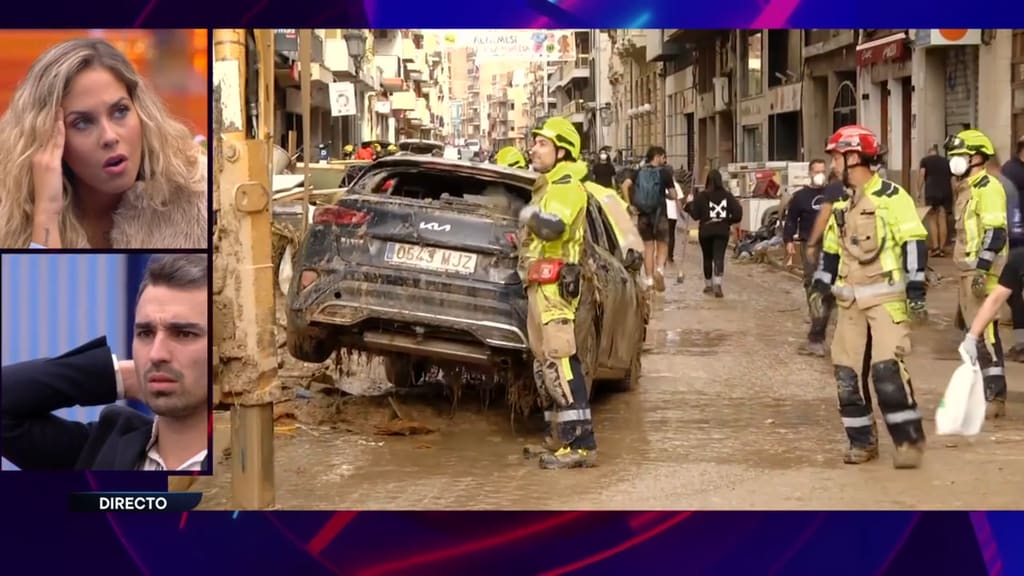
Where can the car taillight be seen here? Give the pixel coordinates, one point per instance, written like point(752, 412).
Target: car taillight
point(307, 277)
point(339, 215)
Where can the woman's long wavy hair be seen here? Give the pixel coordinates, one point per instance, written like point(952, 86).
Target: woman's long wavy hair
point(170, 158)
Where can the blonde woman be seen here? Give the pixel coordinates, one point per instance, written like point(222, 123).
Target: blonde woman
point(92, 159)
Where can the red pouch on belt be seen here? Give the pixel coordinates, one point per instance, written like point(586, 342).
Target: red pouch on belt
point(544, 271)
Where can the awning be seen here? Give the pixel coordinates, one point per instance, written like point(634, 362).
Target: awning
point(886, 49)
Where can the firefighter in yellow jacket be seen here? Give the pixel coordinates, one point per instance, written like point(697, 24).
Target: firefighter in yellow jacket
point(981, 247)
point(556, 221)
point(874, 261)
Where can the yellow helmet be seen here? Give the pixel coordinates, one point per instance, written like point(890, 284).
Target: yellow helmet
point(348, 149)
point(564, 135)
point(392, 148)
point(511, 157)
point(376, 147)
point(970, 142)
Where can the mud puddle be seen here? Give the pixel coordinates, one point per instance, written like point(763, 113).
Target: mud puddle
point(688, 341)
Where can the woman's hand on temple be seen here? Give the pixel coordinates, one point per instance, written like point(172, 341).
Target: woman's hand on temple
point(48, 186)
point(47, 170)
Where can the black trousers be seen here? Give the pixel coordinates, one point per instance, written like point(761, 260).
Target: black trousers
point(819, 325)
point(713, 249)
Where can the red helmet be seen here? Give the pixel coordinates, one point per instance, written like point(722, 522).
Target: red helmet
point(854, 138)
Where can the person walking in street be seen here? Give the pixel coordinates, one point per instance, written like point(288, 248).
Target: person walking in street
point(801, 213)
point(684, 195)
point(555, 221)
point(1013, 171)
point(981, 247)
point(874, 258)
point(715, 209)
point(604, 170)
point(1011, 280)
point(646, 190)
point(935, 180)
point(673, 215)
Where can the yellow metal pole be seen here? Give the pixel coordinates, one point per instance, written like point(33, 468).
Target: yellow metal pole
point(305, 65)
point(243, 277)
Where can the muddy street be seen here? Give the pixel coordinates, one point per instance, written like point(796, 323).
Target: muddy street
point(727, 416)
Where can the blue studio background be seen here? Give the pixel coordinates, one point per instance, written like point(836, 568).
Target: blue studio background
point(52, 303)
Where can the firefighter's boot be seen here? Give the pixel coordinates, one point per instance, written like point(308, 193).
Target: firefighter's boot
point(567, 457)
point(861, 454)
point(908, 456)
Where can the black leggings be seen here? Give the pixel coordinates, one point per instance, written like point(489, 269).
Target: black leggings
point(713, 248)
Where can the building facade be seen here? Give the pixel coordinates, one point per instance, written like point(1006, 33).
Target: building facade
point(779, 94)
point(396, 83)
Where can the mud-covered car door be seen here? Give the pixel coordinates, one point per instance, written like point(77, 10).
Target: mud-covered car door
point(624, 323)
point(612, 286)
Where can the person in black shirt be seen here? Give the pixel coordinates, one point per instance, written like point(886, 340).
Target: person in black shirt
point(1010, 280)
point(716, 210)
point(937, 182)
point(801, 214)
point(1013, 170)
point(603, 170)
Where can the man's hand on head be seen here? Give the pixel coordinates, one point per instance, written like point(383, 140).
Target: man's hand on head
point(130, 379)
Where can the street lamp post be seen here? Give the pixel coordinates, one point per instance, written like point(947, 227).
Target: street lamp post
point(355, 41)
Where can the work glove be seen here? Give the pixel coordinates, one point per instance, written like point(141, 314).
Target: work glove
point(978, 284)
point(917, 310)
point(969, 348)
point(526, 213)
point(821, 287)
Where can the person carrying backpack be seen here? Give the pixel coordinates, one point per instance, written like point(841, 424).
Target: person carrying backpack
point(646, 192)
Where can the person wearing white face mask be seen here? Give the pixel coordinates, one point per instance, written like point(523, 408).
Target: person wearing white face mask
point(981, 247)
point(604, 170)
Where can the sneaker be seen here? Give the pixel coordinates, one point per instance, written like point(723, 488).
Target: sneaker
point(860, 454)
point(680, 278)
point(907, 456)
point(567, 458)
point(708, 289)
point(718, 291)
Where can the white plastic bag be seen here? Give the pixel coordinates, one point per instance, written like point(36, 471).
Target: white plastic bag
point(962, 410)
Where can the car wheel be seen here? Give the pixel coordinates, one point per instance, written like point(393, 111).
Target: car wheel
point(402, 371)
point(632, 378)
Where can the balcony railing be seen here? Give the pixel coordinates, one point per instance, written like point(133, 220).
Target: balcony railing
point(574, 107)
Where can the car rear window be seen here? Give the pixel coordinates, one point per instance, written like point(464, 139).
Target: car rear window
point(504, 197)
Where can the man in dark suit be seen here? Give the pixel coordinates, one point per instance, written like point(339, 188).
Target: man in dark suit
point(169, 373)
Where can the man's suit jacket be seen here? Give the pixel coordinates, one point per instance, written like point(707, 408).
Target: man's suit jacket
point(35, 439)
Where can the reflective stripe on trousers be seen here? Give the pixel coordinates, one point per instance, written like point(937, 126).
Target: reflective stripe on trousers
point(847, 293)
point(858, 422)
point(571, 415)
point(902, 416)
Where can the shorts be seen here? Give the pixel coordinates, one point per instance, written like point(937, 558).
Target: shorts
point(652, 228)
point(939, 201)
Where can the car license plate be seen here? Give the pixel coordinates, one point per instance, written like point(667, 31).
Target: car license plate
point(430, 258)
